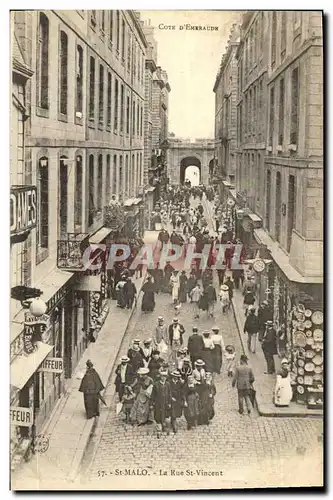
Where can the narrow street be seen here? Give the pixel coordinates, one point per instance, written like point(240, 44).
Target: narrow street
point(263, 448)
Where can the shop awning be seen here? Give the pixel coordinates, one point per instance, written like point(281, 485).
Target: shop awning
point(53, 283)
point(282, 259)
point(100, 235)
point(88, 283)
point(150, 189)
point(132, 201)
point(24, 366)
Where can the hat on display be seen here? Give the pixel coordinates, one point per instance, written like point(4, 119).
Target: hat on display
point(199, 362)
point(124, 359)
point(143, 371)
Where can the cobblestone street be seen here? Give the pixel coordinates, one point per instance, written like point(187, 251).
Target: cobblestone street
point(249, 450)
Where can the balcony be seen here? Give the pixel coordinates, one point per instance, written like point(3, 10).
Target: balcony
point(70, 251)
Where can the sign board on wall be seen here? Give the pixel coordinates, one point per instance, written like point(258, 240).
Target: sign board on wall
point(52, 365)
point(21, 416)
point(23, 209)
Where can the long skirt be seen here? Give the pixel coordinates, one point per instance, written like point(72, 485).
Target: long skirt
point(148, 301)
point(217, 359)
point(91, 404)
point(191, 412)
point(207, 357)
point(140, 410)
point(182, 294)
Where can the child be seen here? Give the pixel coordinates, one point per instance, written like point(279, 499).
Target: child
point(128, 401)
point(230, 355)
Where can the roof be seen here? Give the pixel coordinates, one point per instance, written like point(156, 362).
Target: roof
point(18, 63)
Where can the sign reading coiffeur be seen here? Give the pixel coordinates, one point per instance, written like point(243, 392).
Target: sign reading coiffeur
point(52, 365)
point(23, 209)
point(21, 416)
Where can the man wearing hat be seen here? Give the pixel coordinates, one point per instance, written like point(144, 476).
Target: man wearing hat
point(195, 345)
point(161, 401)
point(124, 376)
point(176, 388)
point(243, 380)
point(251, 328)
point(135, 356)
point(146, 351)
point(130, 292)
point(155, 364)
point(161, 337)
point(133, 349)
point(199, 372)
point(269, 347)
point(176, 332)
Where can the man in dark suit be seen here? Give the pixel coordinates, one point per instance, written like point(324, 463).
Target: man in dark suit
point(195, 346)
point(124, 376)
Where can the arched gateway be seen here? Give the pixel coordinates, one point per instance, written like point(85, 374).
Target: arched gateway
point(183, 153)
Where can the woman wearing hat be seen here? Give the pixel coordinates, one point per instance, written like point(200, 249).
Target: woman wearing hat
point(176, 332)
point(283, 392)
point(136, 357)
point(161, 337)
point(91, 386)
point(199, 372)
point(176, 388)
point(186, 370)
point(224, 298)
point(191, 402)
point(218, 350)
point(155, 364)
point(146, 351)
point(207, 352)
point(148, 299)
point(124, 376)
point(143, 389)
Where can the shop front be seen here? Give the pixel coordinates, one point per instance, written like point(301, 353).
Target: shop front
point(134, 216)
point(148, 206)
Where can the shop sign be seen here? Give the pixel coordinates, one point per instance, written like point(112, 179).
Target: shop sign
point(34, 328)
point(21, 416)
point(28, 339)
point(52, 365)
point(23, 209)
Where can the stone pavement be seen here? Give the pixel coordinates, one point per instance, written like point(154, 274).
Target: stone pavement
point(265, 384)
point(68, 429)
point(240, 446)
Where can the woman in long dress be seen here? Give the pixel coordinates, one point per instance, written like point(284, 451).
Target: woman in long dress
point(191, 403)
point(175, 285)
point(283, 392)
point(207, 353)
point(91, 386)
point(148, 299)
point(144, 388)
point(183, 287)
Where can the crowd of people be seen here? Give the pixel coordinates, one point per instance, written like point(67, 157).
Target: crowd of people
point(160, 380)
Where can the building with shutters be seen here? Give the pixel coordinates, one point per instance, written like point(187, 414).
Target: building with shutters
point(77, 138)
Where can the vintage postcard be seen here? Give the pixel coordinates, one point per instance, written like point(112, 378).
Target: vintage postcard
point(166, 239)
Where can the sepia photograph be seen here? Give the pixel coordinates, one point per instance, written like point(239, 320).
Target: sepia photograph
point(166, 250)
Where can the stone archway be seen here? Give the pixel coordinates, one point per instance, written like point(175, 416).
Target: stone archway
point(189, 161)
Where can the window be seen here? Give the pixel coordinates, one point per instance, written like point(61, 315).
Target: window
point(268, 200)
point(291, 209)
point(141, 122)
point(294, 106)
point(43, 205)
point(91, 203)
point(100, 183)
point(108, 118)
point(129, 49)
point(43, 63)
point(260, 104)
point(133, 118)
point(103, 21)
point(63, 72)
point(93, 18)
point(121, 187)
point(246, 115)
point(250, 112)
point(78, 194)
point(281, 112)
point(79, 80)
point(262, 30)
point(137, 120)
point(241, 123)
point(123, 40)
point(127, 115)
point(122, 108)
point(111, 25)
point(108, 179)
point(101, 95)
point(116, 105)
point(126, 176)
point(271, 117)
point(134, 58)
point(138, 172)
point(114, 175)
point(255, 110)
point(92, 89)
point(133, 175)
point(63, 197)
point(277, 206)
point(297, 18)
point(273, 46)
point(283, 32)
point(139, 65)
point(117, 30)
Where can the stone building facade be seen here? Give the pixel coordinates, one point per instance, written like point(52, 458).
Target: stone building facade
point(78, 139)
point(226, 94)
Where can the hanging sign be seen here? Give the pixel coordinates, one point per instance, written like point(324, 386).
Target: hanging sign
point(34, 328)
point(21, 416)
point(259, 265)
point(23, 209)
point(52, 365)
